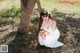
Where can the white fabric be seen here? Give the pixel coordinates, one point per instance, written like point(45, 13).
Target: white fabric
point(51, 40)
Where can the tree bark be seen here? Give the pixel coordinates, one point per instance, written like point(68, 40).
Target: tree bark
point(26, 10)
point(39, 5)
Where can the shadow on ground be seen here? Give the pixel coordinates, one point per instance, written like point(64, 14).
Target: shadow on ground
point(70, 36)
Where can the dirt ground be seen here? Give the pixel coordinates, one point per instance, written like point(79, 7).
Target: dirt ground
point(27, 43)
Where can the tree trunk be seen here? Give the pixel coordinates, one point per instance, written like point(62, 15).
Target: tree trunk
point(26, 10)
point(39, 5)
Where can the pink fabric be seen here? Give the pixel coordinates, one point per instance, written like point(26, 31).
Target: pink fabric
point(43, 35)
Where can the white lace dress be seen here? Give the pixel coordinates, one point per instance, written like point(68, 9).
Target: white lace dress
point(50, 38)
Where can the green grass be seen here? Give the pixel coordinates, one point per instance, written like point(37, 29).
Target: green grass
point(54, 4)
point(47, 4)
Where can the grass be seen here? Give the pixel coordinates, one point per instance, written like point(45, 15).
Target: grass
point(10, 20)
point(7, 4)
point(48, 4)
point(54, 4)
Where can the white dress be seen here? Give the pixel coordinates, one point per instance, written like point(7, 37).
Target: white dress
point(50, 40)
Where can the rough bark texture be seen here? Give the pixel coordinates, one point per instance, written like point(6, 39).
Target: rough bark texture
point(26, 10)
point(39, 5)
